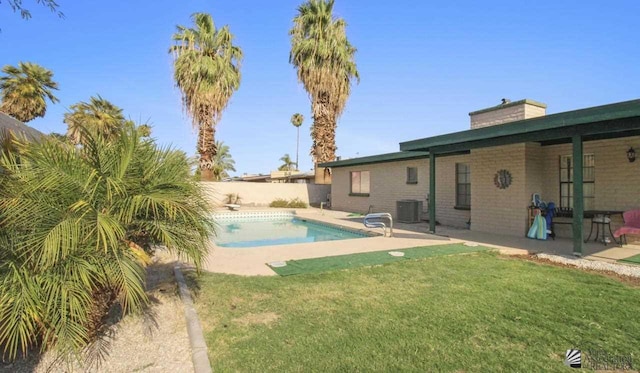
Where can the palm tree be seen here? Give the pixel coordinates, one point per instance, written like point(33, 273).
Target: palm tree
point(222, 162)
point(287, 163)
point(24, 89)
point(324, 60)
point(207, 72)
point(98, 114)
point(77, 226)
point(17, 6)
point(296, 120)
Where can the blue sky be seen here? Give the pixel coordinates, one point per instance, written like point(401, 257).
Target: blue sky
point(424, 65)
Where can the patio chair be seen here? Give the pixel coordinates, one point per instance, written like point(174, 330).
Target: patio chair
point(631, 225)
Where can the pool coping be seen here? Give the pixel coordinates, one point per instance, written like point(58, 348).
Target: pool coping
point(251, 261)
point(295, 216)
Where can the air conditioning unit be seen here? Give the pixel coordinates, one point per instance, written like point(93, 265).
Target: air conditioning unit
point(408, 210)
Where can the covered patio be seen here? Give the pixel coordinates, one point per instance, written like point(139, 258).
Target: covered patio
point(574, 128)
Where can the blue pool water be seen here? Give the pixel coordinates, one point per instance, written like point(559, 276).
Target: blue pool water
point(277, 231)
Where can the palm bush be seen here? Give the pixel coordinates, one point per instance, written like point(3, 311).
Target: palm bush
point(77, 226)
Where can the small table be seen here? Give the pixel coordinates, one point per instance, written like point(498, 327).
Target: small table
point(601, 218)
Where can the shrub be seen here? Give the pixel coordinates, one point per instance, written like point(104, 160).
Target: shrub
point(280, 202)
point(233, 198)
point(294, 203)
point(297, 203)
point(77, 227)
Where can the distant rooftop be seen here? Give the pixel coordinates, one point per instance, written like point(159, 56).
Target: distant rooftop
point(9, 123)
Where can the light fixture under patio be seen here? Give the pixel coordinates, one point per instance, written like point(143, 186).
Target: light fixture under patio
point(631, 155)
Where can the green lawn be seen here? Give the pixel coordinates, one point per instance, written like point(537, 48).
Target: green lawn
point(475, 313)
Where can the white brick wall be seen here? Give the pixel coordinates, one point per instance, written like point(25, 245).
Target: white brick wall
point(510, 113)
point(502, 211)
point(388, 185)
point(534, 169)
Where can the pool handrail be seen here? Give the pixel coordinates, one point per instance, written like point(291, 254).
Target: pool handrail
point(379, 224)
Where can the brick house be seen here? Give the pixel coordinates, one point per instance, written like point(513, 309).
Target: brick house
point(483, 178)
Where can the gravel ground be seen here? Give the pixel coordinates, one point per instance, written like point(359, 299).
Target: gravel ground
point(621, 269)
point(154, 342)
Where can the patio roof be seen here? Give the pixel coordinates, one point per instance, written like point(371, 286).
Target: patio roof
point(600, 122)
point(380, 158)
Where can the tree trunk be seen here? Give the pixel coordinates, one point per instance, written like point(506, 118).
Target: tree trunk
point(323, 131)
point(206, 148)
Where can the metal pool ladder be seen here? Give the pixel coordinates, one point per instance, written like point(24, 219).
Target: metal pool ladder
point(378, 224)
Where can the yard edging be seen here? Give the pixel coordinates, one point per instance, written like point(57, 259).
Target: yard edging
point(199, 355)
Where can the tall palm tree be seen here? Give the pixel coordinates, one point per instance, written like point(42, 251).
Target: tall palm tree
point(324, 60)
point(287, 163)
point(222, 162)
point(207, 72)
point(98, 114)
point(296, 120)
point(24, 89)
point(77, 226)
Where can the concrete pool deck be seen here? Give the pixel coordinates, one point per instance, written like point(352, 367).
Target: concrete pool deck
point(252, 261)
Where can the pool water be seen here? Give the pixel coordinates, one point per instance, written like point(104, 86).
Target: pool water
point(277, 231)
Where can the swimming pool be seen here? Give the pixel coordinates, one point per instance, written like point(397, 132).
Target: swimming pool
point(245, 230)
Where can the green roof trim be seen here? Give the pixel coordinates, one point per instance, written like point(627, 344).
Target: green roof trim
point(510, 104)
point(621, 118)
point(380, 158)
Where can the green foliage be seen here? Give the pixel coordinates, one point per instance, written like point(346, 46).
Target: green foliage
point(297, 119)
point(207, 72)
point(222, 162)
point(293, 203)
point(287, 163)
point(233, 198)
point(24, 90)
point(99, 116)
point(324, 61)
point(16, 6)
point(279, 202)
point(77, 225)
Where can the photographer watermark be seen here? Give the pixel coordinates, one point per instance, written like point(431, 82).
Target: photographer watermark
point(597, 360)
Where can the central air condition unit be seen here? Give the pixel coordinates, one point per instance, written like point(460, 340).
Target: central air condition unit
point(409, 210)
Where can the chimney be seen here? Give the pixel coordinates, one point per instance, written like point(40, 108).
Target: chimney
point(507, 112)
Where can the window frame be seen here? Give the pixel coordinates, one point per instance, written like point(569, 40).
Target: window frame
point(359, 194)
point(409, 179)
point(566, 201)
point(467, 194)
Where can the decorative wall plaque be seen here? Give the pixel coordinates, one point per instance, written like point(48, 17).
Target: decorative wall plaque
point(502, 180)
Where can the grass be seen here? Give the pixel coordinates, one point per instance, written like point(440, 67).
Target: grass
point(474, 313)
point(332, 263)
point(633, 259)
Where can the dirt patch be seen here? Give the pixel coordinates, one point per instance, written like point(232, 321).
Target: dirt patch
point(154, 341)
point(633, 281)
point(265, 318)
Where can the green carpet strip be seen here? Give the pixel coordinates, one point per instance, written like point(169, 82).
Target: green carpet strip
point(632, 259)
point(333, 263)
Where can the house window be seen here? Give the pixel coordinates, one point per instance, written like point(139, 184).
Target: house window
point(463, 186)
point(412, 175)
point(566, 181)
point(360, 183)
